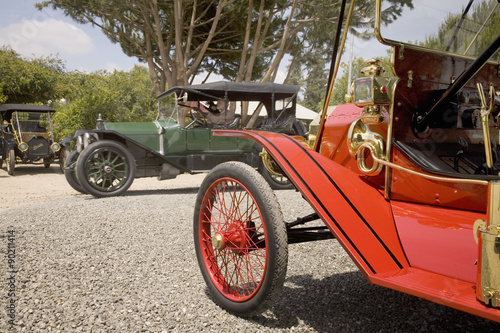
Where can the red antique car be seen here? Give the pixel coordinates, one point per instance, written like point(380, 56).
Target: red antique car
point(406, 177)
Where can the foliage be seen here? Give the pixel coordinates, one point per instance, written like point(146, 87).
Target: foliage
point(28, 80)
point(464, 41)
point(340, 88)
point(118, 97)
point(312, 51)
point(242, 40)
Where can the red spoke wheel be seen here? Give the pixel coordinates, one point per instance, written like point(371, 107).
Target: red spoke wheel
point(240, 239)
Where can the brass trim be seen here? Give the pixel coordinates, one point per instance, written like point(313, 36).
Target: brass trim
point(361, 138)
point(388, 172)
point(485, 115)
point(335, 71)
point(270, 164)
point(488, 280)
point(478, 225)
point(431, 177)
point(217, 241)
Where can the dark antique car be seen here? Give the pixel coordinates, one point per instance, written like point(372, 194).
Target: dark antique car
point(27, 136)
point(108, 159)
point(405, 177)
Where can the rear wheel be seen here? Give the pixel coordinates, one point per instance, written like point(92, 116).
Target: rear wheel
point(105, 168)
point(10, 161)
point(70, 172)
point(240, 239)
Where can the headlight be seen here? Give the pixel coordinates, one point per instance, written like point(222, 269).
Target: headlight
point(79, 144)
point(89, 138)
point(23, 146)
point(55, 147)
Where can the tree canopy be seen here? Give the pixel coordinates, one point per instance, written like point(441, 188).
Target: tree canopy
point(118, 97)
point(242, 40)
point(25, 80)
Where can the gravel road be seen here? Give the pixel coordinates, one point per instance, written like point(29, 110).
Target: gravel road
point(127, 264)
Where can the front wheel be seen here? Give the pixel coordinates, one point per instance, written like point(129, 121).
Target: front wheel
point(70, 172)
point(10, 161)
point(105, 168)
point(240, 239)
point(63, 156)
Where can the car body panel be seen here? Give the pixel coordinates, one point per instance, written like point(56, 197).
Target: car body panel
point(402, 177)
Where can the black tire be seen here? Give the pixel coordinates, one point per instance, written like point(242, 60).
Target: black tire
point(240, 239)
point(299, 129)
point(63, 156)
point(10, 161)
point(70, 172)
point(105, 168)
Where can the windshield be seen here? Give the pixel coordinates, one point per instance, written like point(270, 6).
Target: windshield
point(464, 27)
point(32, 122)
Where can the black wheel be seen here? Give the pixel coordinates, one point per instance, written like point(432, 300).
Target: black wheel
point(105, 168)
point(299, 129)
point(240, 239)
point(63, 156)
point(10, 161)
point(70, 172)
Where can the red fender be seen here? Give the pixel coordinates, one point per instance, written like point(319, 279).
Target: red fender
point(355, 212)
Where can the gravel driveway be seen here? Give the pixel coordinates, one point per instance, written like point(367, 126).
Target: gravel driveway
point(127, 264)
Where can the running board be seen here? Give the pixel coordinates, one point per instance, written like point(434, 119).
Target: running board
point(454, 293)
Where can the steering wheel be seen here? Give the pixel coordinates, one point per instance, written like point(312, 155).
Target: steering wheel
point(198, 118)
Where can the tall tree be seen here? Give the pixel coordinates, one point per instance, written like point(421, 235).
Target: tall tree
point(242, 40)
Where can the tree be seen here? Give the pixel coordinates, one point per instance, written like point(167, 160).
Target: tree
point(242, 40)
point(312, 50)
point(481, 18)
point(28, 80)
point(118, 97)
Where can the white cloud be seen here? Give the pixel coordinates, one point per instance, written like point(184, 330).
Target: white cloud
point(43, 38)
point(111, 67)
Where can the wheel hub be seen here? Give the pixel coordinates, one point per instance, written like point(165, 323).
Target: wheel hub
point(218, 241)
point(233, 239)
point(107, 169)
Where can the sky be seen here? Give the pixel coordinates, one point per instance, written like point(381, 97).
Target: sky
point(31, 32)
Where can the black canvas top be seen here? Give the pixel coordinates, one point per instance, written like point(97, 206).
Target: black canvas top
point(235, 91)
point(4, 108)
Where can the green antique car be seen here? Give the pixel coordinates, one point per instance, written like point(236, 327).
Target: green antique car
point(106, 160)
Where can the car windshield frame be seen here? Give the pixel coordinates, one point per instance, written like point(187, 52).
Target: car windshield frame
point(456, 25)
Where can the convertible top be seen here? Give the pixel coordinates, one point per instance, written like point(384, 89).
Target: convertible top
point(25, 107)
point(234, 91)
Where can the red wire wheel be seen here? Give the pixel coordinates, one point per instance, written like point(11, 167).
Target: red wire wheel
point(240, 239)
